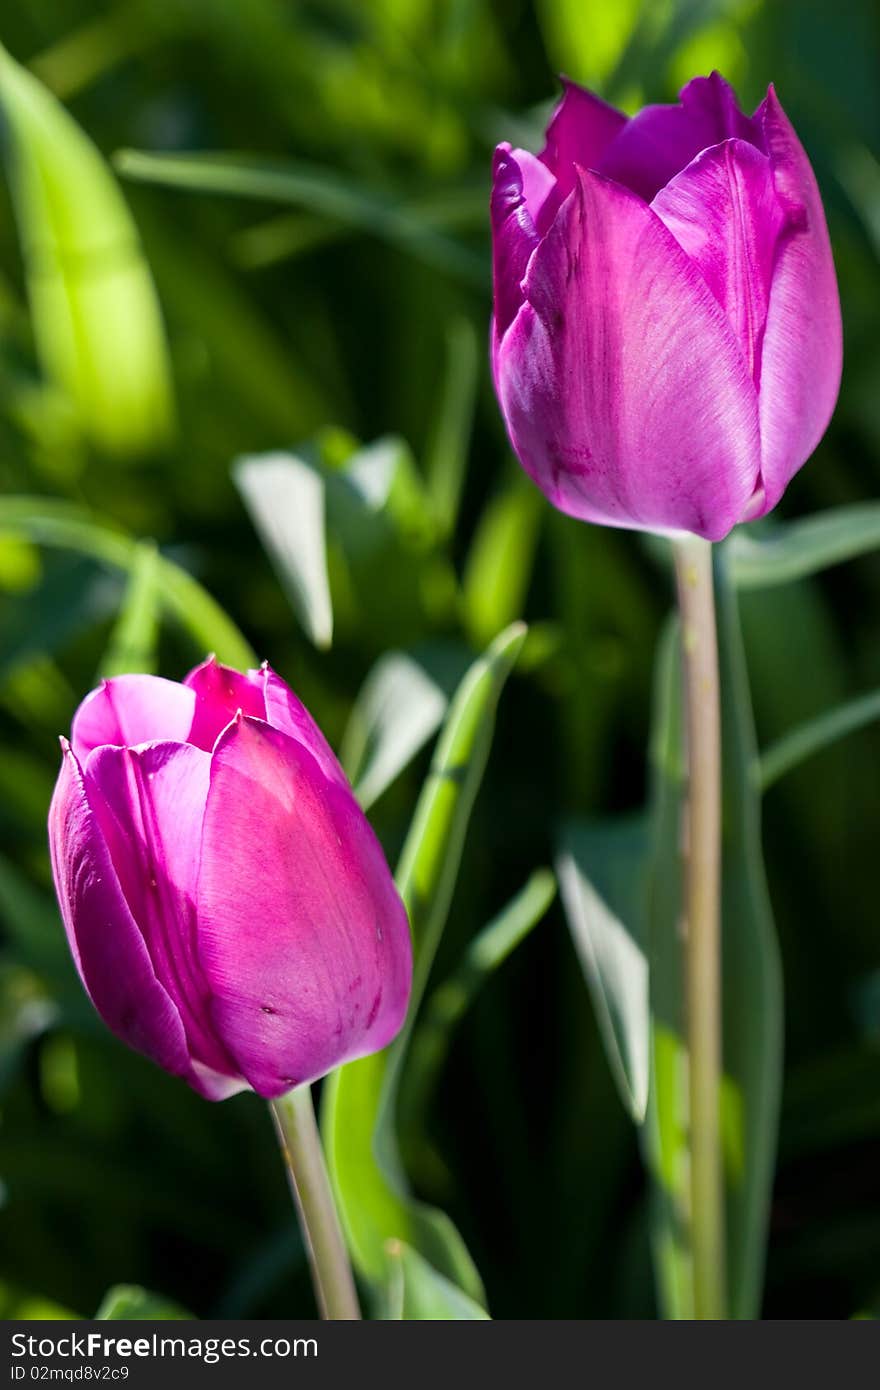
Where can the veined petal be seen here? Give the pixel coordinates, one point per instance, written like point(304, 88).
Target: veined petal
point(302, 936)
point(624, 390)
point(581, 131)
point(723, 211)
point(132, 709)
point(286, 712)
point(107, 946)
point(150, 803)
point(514, 236)
point(660, 141)
point(220, 692)
point(803, 343)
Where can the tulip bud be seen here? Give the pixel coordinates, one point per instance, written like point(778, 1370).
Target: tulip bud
point(228, 907)
point(666, 343)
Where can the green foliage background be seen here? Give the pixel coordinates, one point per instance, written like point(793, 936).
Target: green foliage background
point(347, 308)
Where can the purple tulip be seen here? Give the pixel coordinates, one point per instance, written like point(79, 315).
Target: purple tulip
point(666, 344)
point(229, 909)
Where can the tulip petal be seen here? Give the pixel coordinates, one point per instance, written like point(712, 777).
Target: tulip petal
point(581, 131)
point(660, 141)
point(302, 936)
point(723, 211)
point(286, 712)
point(132, 709)
point(624, 391)
point(220, 693)
point(803, 346)
point(150, 802)
point(514, 236)
point(107, 947)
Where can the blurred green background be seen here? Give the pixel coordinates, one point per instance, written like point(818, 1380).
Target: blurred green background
point(331, 284)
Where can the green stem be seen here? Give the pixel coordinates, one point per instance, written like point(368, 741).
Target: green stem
point(297, 1129)
point(702, 913)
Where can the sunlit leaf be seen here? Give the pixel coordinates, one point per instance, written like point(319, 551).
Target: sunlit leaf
point(500, 560)
point(399, 707)
point(285, 496)
point(134, 1303)
point(96, 317)
point(359, 1100)
point(417, 1292)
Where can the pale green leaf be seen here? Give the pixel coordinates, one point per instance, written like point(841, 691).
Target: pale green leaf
point(499, 564)
point(285, 496)
point(796, 549)
point(399, 708)
point(417, 1292)
point(129, 1301)
point(602, 872)
point(96, 318)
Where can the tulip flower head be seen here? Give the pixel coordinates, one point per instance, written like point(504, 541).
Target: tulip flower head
point(666, 341)
point(228, 907)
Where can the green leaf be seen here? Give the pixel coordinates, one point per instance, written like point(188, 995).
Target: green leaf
point(50, 522)
point(793, 748)
point(453, 422)
point(416, 1292)
point(499, 564)
point(751, 981)
point(134, 641)
point(451, 1000)
point(603, 874)
point(796, 549)
point(134, 1303)
point(96, 318)
point(285, 496)
point(311, 186)
point(399, 708)
point(359, 1101)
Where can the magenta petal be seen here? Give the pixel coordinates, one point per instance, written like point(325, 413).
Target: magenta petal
point(286, 712)
point(150, 803)
point(582, 129)
point(132, 709)
point(514, 236)
point(803, 344)
point(723, 211)
point(107, 947)
point(623, 388)
point(220, 692)
point(660, 141)
point(303, 938)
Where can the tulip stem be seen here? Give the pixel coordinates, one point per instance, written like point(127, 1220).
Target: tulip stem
point(300, 1141)
point(702, 918)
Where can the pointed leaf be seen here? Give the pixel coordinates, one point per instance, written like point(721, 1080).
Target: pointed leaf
point(812, 737)
point(129, 1301)
point(795, 549)
point(397, 710)
point(285, 496)
point(417, 1292)
point(96, 317)
point(359, 1101)
point(603, 881)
